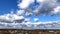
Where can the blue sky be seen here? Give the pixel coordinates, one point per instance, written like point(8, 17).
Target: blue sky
point(7, 5)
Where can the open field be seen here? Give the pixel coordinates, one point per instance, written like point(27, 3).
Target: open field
point(20, 31)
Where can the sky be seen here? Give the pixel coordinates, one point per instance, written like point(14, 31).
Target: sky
point(7, 5)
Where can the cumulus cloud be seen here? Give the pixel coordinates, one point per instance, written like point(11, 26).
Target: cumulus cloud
point(40, 0)
point(20, 12)
point(28, 13)
point(27, 20)
point(36, 19)
point(25, 3)
point(56, 10)
point(45, 7)
point(20, 24)
point(10, 18)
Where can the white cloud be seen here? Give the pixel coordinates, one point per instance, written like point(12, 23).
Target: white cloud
point(27, 20)
point(28, 23)
point(18, 17)
point(45, 7)
point(36, 19)
point(28, 13)
point(20, 12)
point(10, 18)
point(48, 4)
point(40, 0)
point(25, 3)
point(37, 11)
point(56, 10)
